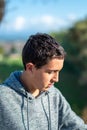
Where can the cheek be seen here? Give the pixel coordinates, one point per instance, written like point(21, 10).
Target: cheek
point(43, 78)
point(46, 78)
point(39, 77)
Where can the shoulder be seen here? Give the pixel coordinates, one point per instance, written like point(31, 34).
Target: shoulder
point(4, 90)
point(55, 91)
point(56, 94)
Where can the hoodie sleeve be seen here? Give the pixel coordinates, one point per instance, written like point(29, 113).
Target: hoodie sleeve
point(68, 119)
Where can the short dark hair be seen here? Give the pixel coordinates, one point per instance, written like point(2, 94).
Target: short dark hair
point(40, 48)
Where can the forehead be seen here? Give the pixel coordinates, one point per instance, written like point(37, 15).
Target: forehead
point(54, 64)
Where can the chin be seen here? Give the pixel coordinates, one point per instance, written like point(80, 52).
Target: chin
point(45, 89)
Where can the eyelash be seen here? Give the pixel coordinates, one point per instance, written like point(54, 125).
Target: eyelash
point(50, 72)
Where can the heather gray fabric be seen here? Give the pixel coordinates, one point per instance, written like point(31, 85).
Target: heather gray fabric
point(19, 110)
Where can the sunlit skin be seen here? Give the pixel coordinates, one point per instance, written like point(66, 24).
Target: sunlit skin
point(37, 80)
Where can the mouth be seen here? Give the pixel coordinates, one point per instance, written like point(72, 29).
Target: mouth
point(49, 85)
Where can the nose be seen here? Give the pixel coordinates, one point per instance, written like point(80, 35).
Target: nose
point(56, 77)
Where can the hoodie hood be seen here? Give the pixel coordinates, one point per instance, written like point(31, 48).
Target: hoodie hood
point(13, 81)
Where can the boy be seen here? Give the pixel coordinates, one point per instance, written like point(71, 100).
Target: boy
point(28, 98)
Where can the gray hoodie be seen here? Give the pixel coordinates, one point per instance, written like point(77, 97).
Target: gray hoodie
point(19, 110)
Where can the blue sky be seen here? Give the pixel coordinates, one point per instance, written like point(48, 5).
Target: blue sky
point(24, 17)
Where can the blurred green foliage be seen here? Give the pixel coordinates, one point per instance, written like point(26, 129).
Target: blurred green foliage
point(8, 65)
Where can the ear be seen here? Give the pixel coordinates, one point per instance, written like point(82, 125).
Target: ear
point(30, 66)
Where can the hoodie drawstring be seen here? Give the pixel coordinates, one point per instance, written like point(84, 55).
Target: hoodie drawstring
point(49, 111)
point(48, 117)
point(27, 112)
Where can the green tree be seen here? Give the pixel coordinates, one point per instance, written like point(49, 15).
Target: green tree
point(76, 40)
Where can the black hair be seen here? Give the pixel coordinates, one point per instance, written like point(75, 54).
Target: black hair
point(40, 48)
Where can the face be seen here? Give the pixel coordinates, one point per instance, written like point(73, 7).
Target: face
point(47, 75)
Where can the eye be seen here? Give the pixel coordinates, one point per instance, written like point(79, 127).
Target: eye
point(50, 72)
